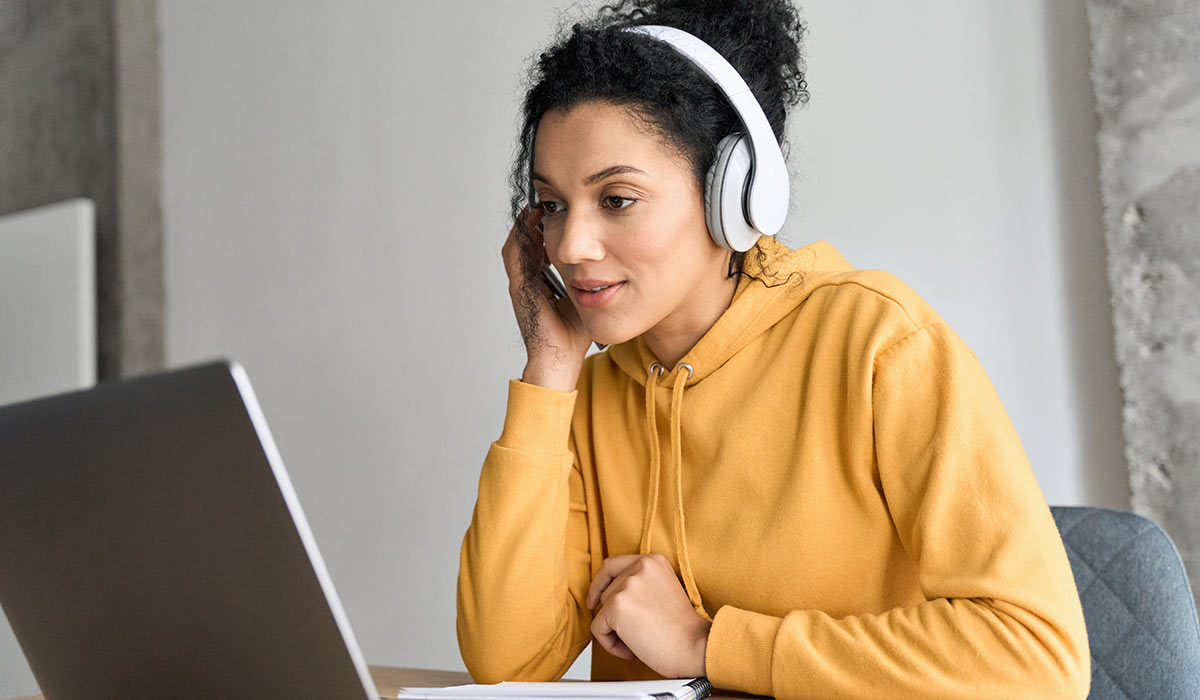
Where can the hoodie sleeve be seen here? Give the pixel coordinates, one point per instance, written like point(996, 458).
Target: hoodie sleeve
point(524, 565)
point(1002, 616)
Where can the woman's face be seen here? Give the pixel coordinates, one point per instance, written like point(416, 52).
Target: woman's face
point(619, 207)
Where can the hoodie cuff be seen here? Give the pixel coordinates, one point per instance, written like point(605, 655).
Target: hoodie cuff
point(538, 419)
point(740, 648)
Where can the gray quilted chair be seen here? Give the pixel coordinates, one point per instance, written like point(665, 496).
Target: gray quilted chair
point(1137, 605)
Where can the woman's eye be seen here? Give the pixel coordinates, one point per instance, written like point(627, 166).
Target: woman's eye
point(550, 207)
point(618, 201)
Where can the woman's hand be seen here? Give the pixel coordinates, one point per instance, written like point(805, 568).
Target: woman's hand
point(645, 612)
point(554, 336)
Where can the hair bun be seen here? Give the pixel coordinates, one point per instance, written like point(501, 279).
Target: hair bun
point(762, 39)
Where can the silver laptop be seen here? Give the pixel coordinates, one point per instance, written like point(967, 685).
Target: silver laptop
point(152, 546)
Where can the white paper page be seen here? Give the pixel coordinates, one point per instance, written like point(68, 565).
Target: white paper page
point(599, 690)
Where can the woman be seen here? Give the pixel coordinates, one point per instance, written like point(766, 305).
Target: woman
point(784, 473)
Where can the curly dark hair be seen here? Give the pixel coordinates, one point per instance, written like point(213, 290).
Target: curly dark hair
point(672, 98)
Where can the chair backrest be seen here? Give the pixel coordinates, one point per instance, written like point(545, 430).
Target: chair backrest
point(1137, 605)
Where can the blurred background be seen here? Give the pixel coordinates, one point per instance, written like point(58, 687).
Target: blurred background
point(317, 190)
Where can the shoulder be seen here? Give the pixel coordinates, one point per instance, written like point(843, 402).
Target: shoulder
point(859, 289)
point(868, 311)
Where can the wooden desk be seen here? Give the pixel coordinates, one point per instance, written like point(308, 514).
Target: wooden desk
point(389, 680)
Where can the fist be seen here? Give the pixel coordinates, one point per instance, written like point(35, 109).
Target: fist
point(644, 612)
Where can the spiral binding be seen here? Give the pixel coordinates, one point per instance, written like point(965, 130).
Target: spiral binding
point(694, 690)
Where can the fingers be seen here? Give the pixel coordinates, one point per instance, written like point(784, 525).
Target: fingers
point(527, 220)
point(524, 249)
point(609, 570)
point(607, 637)
point(533, 253)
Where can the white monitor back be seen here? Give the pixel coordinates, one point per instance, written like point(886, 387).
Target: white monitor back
point(47, 300)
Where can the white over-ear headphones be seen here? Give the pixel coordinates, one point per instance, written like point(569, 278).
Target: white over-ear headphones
point(746, 190)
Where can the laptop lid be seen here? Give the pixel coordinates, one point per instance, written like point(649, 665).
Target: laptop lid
point(152, 545)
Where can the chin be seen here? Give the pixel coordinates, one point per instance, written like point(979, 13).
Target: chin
point(609, 336)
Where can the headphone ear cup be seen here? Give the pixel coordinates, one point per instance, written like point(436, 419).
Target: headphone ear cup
point(713, 183)
point(724, 195)
point(712, 218)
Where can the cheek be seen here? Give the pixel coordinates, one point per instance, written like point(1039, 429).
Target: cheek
point(667, 236)
point(656, 264)
point(647, 247)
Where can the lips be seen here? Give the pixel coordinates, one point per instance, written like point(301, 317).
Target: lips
point(589, 284)
point(594, 300)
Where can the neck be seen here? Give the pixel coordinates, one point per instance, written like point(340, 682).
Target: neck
point(673, 338)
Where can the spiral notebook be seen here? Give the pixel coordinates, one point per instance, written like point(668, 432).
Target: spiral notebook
point(675, 689)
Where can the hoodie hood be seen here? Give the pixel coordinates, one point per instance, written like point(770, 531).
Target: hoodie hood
point(787, 276)
point(756, 307)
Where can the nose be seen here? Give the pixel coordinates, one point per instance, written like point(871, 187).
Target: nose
point(581, 240)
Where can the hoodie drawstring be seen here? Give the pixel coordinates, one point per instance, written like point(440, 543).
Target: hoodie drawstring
point(685, 564)
point(652, 431)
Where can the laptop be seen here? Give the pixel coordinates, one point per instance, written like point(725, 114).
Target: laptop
point(152, 546)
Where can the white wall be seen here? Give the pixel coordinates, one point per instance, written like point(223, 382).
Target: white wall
point(335, 193)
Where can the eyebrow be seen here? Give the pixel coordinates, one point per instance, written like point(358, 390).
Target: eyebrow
point(597, 177)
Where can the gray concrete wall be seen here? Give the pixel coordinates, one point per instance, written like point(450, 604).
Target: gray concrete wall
point(1146, 72)
point(79, 118)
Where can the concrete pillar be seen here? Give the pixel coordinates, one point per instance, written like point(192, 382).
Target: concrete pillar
point(1146, 73)
point(79, 117)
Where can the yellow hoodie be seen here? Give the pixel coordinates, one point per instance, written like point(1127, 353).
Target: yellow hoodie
point(834, 479)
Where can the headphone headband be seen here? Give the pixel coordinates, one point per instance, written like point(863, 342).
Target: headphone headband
point(767, 201)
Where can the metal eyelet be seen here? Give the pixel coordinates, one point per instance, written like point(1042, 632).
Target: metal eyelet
point(689, 368)
point(659, 367)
